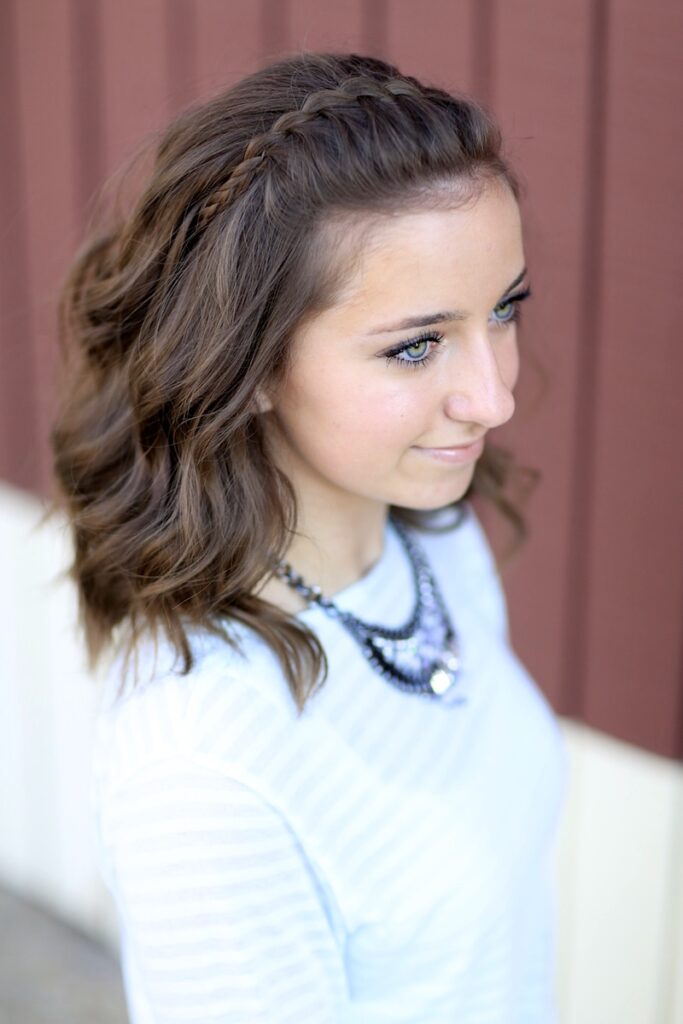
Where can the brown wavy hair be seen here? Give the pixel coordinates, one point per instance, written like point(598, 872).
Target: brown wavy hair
point(174, 316)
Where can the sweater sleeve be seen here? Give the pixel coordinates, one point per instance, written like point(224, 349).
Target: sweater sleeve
point(223, 916)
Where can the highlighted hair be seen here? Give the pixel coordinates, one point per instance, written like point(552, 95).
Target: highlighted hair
point(178, 314)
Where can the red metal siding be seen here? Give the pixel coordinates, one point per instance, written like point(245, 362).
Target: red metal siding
point(587, 93)
point(544, 92)
point(633, 611)
point(19, 440)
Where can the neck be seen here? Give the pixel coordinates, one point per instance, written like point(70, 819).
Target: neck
point(338, 538)
point(335, 549)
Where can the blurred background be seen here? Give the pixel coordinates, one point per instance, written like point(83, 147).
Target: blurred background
point(588, 94)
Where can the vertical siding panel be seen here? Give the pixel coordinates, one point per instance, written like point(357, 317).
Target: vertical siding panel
point(481, 45)
point(542, 97)
point(229, 43)
point(634, 606)
point(18, 413)
point(135, 81)
point(51, 211)
point(315, 26)
point(86, 88)
point(181, 53)
point(589, 342)
point(433, 40)
point(274, 28)
point(375, 25)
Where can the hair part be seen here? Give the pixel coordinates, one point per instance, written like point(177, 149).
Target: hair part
point(175, 318)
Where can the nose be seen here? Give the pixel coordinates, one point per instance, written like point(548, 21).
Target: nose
point(480, 385)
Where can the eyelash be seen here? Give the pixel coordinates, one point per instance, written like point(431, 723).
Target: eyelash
point(392, 357)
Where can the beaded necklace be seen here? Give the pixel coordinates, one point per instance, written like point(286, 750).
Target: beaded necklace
point(421, 657)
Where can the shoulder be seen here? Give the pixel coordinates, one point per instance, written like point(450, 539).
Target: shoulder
point(150, 712)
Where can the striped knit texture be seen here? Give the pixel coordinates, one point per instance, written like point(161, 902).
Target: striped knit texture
point(383, 858)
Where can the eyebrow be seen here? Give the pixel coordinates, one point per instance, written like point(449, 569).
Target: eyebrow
point(438, 318)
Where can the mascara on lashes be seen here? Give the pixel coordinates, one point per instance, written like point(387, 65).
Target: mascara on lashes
point(437, 337)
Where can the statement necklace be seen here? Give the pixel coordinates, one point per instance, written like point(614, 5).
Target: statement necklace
point(421, 657)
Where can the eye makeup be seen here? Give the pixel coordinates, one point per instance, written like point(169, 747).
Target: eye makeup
point(394, 355)
point(438, 318)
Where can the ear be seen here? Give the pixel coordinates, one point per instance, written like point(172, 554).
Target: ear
point(261, 401)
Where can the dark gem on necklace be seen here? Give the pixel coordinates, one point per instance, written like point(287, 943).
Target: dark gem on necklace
point(420, 657)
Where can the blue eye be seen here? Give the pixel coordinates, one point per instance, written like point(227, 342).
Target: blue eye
point(415, 358)
point(416, 352)
point(510, 308)
point(511, 313)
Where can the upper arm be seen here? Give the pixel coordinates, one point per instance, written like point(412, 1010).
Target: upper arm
point(224, 917)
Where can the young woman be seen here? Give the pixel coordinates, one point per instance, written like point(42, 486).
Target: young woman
point(326, 789)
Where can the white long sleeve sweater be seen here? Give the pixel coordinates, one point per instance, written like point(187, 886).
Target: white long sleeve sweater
point(384, 858)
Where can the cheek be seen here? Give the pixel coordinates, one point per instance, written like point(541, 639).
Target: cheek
point(510, 367)
point(390, 414)
point(324, 409)
point(356, 394)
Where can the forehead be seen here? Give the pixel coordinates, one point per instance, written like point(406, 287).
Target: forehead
point(447, 252)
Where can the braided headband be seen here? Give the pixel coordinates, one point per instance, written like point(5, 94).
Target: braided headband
point(316, 104)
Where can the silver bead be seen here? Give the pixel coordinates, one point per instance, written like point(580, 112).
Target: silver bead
point(440, 681)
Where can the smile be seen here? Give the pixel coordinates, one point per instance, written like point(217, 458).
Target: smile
point(456, 455)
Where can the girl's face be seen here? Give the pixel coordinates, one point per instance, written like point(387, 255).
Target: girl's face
point(420, 356)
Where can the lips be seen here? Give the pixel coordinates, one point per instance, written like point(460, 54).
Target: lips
point(457, 454)
point(451, 447)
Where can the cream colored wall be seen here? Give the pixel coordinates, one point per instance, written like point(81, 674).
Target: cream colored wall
point(620, 885)
point(48, 700)
point(620, 849)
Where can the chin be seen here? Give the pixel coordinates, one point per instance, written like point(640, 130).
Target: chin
point(426, 502)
